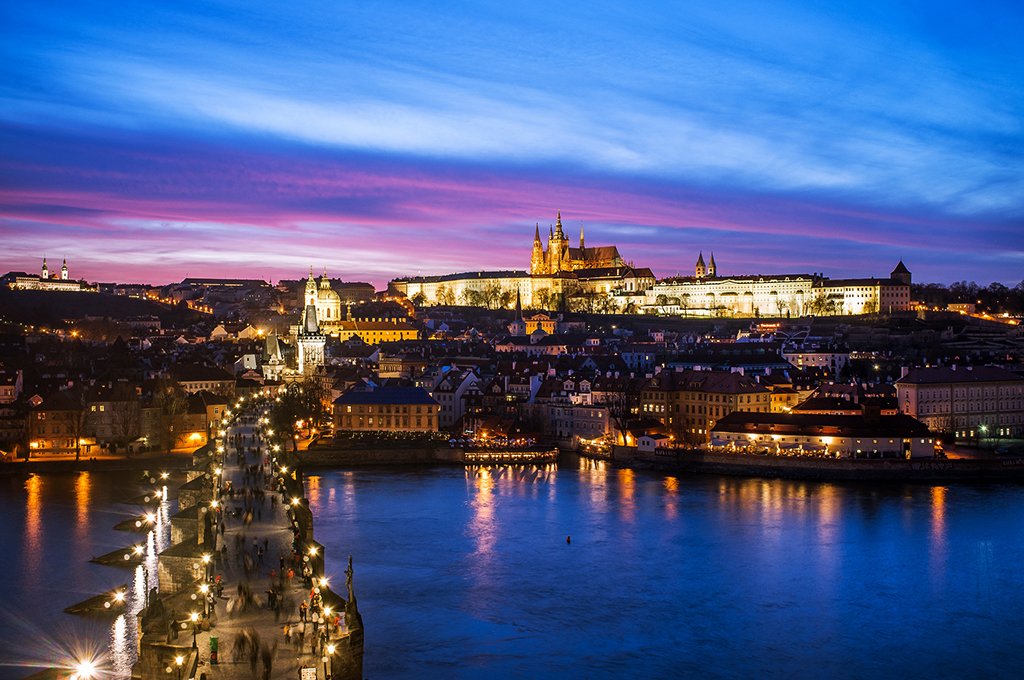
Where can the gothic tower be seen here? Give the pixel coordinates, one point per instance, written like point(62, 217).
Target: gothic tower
point(311, 341)
point(702, 269)
point(537, 256)
point(558, 247)
point(712, 267)
point(581, 237)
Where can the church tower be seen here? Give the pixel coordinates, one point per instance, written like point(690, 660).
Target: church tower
point(311, 341)
point(702, 269)
point(558, 247)
point(309, 298)
point(581, 237)
point(46, 271)
point(537, 256)
point(64, 270)
point(712, 267)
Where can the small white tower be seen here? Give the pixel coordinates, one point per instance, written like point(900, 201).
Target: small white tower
point(64, 270)
point(46, 271)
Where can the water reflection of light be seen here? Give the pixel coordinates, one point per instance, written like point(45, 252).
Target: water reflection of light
point(349, 494)
point(671, 497)
point(937, 548)
point(33, 525)
point(627, 493)
point(83, 501)
point(482, 526)
point(313, 489)
point(121, 655)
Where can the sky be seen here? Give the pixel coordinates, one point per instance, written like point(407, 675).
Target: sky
point(149, 141)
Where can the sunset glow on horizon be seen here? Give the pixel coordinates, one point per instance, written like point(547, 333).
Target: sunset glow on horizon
point(148, 142)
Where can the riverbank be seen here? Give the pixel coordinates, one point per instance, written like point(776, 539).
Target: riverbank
point(173, 461)
point(928, 470)
point(324, 457)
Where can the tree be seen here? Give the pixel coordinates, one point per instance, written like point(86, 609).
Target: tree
point(170, 401)
point(298, 402)
point(622, 399)
point(445, 295)
point(819, 304)
point(125, 414)
point(418, 299)
point(77, 416)
point(542, 298)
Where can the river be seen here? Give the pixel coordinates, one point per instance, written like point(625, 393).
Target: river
point(468, 573)
point(52, 525)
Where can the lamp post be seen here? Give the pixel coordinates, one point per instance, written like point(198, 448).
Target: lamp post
point(328, 652)
point(204, 591)
point(194, 618)
point(179, 661)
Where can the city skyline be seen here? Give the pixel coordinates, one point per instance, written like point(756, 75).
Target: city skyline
point(147, 143)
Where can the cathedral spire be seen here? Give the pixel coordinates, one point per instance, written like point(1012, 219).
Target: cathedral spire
point(558, 223)
point(581, 236)
point(712, 267)
point(701, 268)
point(536, 233)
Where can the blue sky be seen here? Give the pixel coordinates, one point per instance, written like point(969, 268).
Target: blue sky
point(149, 140)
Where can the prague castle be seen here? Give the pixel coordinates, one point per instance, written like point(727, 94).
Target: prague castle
point(556, 273)
point(561, 275)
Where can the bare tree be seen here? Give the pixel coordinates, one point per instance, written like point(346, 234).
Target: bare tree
point(125, 414)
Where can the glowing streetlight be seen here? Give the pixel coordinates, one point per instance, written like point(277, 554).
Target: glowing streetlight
point(84, 670)
point(194, 618)
point(164, 475)
point(312, 551)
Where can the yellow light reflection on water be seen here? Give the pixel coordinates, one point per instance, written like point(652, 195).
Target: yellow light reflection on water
point(627, 493)
point(671, 497)
point(33, 552)
point(937, 546)
point(313, 489)
point(83, 502)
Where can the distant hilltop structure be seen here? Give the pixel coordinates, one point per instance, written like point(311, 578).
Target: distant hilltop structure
point(557, 274)
point(57, 281)
point(598, 279)
point(708, 294)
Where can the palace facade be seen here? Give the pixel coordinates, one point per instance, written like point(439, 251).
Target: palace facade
point(559, 274)
point(707, 294)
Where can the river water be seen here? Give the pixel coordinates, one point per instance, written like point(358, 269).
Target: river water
point(51, 526)
point(468, 574)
